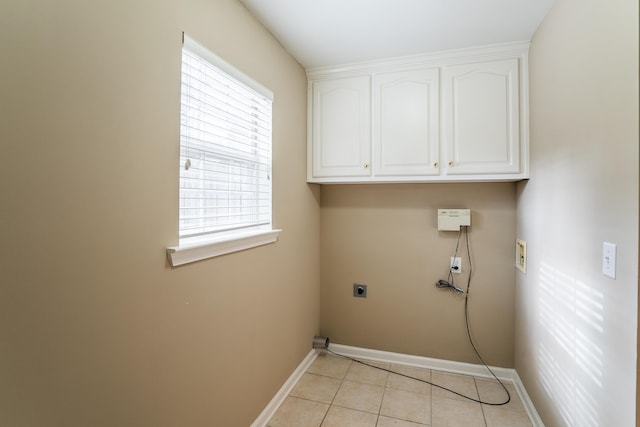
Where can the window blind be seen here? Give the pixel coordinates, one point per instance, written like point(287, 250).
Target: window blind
point(225, 147)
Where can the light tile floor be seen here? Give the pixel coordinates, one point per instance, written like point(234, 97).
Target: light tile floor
point(336, 392)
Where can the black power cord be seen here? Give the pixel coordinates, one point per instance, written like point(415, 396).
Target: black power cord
point(444, 284)
point(466, 314)
point(422, 381)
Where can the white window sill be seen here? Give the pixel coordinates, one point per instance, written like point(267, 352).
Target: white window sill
point(186, 253)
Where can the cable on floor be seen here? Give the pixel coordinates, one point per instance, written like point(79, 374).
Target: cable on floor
point(466, 317)
point(419, 379)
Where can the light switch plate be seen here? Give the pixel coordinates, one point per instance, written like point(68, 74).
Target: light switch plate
point(609, 259)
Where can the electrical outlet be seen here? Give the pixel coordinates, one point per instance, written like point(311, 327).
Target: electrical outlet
point(359, 290)
point(456, 265)
point(521, 255)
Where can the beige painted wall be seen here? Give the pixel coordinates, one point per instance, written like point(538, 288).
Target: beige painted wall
point(576, 329)
point(386, 237)
point(95, 328)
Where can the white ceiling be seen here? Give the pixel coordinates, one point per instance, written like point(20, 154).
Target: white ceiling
point(330, 32)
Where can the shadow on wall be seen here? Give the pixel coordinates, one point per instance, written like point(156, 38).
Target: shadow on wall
point(570, 358)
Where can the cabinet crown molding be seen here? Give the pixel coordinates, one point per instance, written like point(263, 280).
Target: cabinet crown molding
point(482, 53)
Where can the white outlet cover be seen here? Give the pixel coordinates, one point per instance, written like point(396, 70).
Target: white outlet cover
point(609, 259)
point(456, 262)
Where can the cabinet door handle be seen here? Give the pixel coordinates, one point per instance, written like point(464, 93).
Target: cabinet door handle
point(450, 162)
point(435, 164)
point(366, 165)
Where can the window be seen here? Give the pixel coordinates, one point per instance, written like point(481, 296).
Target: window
point(225, 159)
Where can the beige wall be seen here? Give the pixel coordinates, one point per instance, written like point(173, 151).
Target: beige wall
point(95, 328)
point(386, 237)
point(576, 329)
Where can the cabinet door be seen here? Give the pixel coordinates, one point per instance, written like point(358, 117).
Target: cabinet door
point(341, 127)
point(406, 123)
point(482, 131)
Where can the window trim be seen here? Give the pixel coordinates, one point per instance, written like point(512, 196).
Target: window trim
point(198, 248)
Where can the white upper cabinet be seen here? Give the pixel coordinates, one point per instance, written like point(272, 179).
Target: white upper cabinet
point(447, 117)
point(341, 126)
point(482, 118)
point(406, 123)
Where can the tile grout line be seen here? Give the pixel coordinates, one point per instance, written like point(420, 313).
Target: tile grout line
point(336, 393)
point(484, 417)
point(384, 393)
point(431, 396)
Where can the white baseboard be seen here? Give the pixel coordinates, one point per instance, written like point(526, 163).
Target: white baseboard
point(526, 401)
point(284, 391)
point(423, 362)
point(505, 374)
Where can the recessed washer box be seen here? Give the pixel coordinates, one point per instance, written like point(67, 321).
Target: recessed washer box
point(453, 219)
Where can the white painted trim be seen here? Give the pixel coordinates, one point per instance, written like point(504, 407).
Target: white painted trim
point(434, 59)
point(421, 179)
point(199, 250)
point(423, 362)
point(526, 401)
point(524, 115)
point(284, 391)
